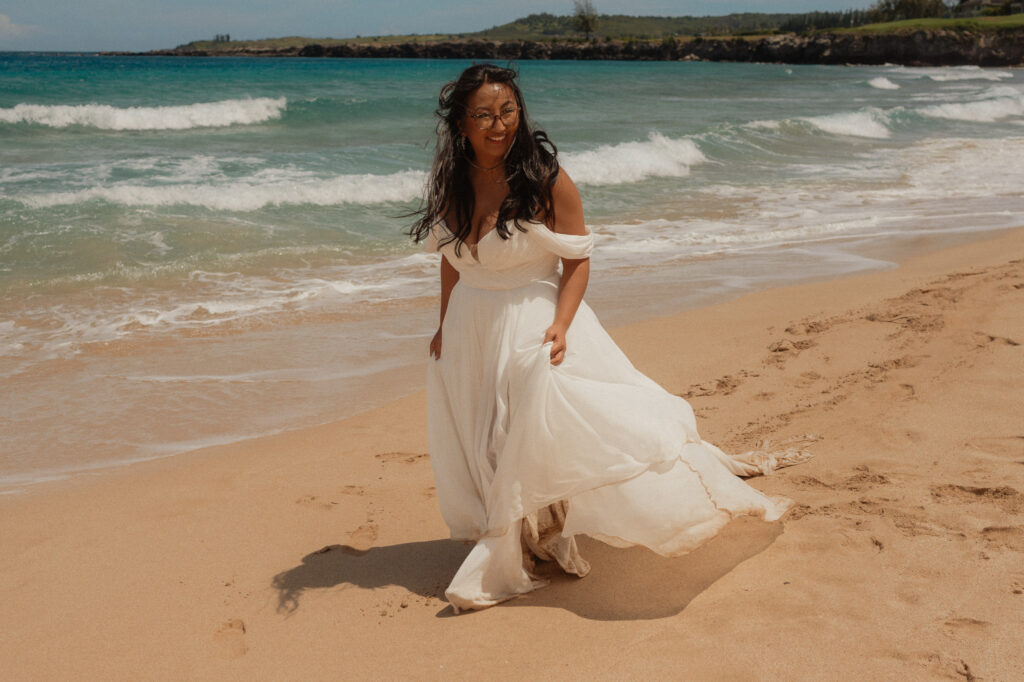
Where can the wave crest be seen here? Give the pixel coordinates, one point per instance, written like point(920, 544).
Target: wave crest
point(883, 83)
point(631, 162)
point(247, 195)
point(1007, 103)
point(854, 124)
point(105, 117)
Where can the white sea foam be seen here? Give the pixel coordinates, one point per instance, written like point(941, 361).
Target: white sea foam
point(883, 83)
point(869, 123)
point(215, 299)
point(630, 162)
point(106, 117)
point(265, 188)
point(1007, 103)
point(946, 74)
point(966, 73)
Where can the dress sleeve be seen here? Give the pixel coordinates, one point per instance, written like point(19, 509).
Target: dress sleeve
point(572, 246)
point(432, 243)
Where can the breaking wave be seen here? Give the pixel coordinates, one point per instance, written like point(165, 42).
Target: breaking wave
point(630, 162)
point(105, 117)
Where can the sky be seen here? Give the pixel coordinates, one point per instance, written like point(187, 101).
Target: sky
point(139, 25)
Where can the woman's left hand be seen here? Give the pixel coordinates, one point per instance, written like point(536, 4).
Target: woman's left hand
point(556, 335)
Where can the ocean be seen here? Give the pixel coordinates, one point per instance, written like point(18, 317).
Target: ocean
point(196, 251)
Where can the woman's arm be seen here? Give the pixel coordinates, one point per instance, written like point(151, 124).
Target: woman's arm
point(575, 272)
point(449, 276)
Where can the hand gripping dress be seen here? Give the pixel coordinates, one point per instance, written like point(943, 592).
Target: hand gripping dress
point(527, 454)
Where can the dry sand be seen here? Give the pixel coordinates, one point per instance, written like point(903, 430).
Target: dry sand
point(321, 554)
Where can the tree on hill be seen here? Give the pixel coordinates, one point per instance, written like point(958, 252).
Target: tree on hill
point(585, 16)
point(898, 10)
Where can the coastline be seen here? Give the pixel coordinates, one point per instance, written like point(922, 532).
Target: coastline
point(922, 47)
point(620, 299)
point(300, 554)
point(194, 281)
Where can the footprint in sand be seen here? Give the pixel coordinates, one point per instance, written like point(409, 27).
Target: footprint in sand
point(956, 625)
point(1017, 586)
point(725, 385)
point(314, 502)
point(1009, 537)
point(1008, 499)
point(363, 537)
point(807, 379)
point(999, 447)
point(810, 483)
point(983, 339)
point(784, 349)
point(810, 327)
point(863, 479)
point(401, 457)
point(230, 639)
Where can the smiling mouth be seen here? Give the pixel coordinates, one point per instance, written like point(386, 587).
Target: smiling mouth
point(498, 139)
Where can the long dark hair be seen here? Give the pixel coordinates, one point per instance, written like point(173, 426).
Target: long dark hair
point(531, 166)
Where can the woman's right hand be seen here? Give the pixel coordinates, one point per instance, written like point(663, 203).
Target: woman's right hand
point(435, 345)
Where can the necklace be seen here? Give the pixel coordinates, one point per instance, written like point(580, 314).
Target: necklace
point(501, 179)
point(474, 164)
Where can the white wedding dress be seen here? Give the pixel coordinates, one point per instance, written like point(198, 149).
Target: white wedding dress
point(527, 454)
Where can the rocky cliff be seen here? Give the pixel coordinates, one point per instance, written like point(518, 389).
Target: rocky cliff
point(919, 48)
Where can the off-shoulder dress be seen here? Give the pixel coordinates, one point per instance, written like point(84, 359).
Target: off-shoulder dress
point(527, 454)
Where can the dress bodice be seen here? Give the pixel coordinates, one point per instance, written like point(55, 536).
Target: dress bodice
point(523, 258)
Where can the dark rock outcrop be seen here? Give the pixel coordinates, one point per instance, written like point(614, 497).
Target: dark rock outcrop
point(941, 47)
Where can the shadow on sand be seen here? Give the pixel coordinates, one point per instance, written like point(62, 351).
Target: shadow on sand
point(420, 567)
point(637, 584)
point(625, 584)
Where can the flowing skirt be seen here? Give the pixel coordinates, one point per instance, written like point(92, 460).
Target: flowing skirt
point(527, 454)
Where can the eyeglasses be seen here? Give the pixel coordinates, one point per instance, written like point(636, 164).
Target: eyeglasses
point(508, 117)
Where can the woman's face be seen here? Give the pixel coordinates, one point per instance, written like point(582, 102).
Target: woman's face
point(486, 106)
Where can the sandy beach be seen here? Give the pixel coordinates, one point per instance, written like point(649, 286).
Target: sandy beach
point(320, 554)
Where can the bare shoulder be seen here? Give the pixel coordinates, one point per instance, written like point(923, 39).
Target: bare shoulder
point(568, 213)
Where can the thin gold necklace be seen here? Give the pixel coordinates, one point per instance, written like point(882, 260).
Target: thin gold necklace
point(501, 180)
point(474, 164)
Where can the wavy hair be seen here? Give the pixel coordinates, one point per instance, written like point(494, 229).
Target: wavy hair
point(531, 165)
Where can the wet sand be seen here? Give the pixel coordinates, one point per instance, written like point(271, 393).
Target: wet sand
point(320, 554)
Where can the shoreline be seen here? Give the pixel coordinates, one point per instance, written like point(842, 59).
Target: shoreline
point(304, 554)
point(618, 302)
point(920, 47)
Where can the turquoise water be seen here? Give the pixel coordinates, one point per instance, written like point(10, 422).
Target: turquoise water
point(195, 250)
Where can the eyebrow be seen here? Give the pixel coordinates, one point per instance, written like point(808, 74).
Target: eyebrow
point(503, 105)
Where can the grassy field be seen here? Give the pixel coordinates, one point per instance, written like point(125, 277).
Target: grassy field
point(640, 29)
point(541, 27)
point(972, 24)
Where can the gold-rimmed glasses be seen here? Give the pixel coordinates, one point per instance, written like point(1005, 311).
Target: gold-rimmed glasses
point(485, 120)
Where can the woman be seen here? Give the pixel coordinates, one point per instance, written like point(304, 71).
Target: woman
point(539, 427)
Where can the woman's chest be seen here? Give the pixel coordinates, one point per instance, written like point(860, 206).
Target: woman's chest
point(487, 202)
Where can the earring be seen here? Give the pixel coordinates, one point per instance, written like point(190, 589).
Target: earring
point(465, 143)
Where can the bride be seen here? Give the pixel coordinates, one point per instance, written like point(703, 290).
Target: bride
point(539, 427)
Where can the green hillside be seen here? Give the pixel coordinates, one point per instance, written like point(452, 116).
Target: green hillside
point(971, 23)
point(549, 27)
point(618, 26)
